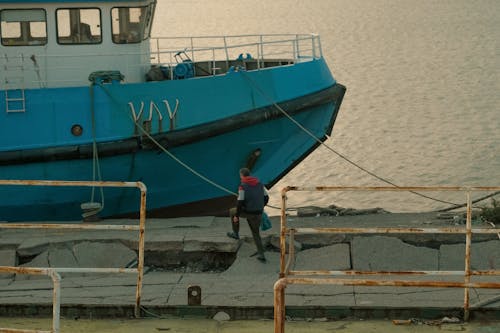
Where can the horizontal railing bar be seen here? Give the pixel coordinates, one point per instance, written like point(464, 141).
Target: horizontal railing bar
point(317, 276)
point(392, 283)
point(393, 230)
point(45, 270)
point(285, 42)
point(95, 270)
point(164, 50)
point(72, 183)
point(294, 37)
point(26, 270)
point(354, 273)
point(14, 330)
point(69, 226)
point(393, 188)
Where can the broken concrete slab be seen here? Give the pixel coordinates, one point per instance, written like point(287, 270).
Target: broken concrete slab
point(382, 253)
point(484, 256)
point(275, 242)
point(333, 257)
point(95, 254)
point(210, 244)
point(8, 257)
point(84, 254)
point(319, 240)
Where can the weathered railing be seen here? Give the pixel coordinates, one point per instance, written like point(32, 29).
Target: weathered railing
point(218, 53)
point(227, 48)
point(288, 276)
point(53, 272)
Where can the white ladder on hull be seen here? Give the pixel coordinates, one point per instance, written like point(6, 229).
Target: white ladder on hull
point(15, 99)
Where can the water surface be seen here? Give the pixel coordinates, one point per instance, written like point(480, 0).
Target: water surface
point(423, 89)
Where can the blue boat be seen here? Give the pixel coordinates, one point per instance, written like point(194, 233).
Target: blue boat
point(88, 94)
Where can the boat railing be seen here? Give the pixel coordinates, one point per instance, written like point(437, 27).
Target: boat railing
point(256, 48)
point(210, 55)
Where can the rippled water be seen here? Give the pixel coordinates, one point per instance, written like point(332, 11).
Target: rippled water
point(423, 80)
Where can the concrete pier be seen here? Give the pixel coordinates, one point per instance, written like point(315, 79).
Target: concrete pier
point(186, 252)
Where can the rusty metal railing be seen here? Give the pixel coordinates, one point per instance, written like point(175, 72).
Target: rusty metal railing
point(288, 276)
point(53, 272)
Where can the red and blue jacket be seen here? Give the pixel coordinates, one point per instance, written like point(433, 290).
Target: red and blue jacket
point(252, 196)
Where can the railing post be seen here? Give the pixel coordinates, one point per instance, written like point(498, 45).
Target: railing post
point(213, 62)
point(318, 39)
point(291, 251)
point(285, 273)
point(468, 241)
point(283, 233)
point(192, 49)
point(296, 51)
point(279, 305)
point(142, 227)
point(227, 52)
point(56, 300)
point(140, 260)
point(261, 52)
point(158, 50)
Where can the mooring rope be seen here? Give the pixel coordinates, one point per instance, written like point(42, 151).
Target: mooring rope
point(165, 150)
point(270, 99)
point(265, 95)
point(96, 167)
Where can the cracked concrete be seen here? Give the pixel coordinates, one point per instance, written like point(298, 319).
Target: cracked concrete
point(245, 282)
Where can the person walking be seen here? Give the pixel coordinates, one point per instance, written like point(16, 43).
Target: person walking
point(252, 197)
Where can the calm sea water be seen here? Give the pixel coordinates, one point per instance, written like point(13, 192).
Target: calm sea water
point(423, 80)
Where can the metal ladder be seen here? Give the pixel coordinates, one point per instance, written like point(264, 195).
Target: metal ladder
point(15, 99)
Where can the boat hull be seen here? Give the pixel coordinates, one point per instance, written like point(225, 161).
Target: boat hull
point(251, 130)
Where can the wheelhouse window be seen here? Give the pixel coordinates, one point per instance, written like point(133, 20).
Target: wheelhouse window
point(23, 27)
point(131, 24)
point(79, 26)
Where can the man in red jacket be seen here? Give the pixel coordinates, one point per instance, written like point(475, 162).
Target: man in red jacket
point(252, 197)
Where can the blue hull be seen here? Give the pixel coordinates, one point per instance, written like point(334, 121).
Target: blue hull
point(211, 124)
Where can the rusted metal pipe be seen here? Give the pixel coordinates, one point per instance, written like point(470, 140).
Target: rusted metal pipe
point(291, 252)
point(392, 283)
point(140, 261)
point(14, 330)
point(395, 230)
point(56, 294)
point(468, 241)
point(280, 285)
point(141, 228)
point(360, 273)
point(83, 226)
point(283, 231)
point(71, 183)
point(392, 188)
point(279, 305)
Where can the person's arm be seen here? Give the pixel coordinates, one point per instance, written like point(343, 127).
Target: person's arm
point(266, 196)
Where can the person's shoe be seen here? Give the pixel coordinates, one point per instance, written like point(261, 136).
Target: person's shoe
point(233, 235)
point(261, 258)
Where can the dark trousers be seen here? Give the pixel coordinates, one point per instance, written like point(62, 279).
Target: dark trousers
point(254, 224)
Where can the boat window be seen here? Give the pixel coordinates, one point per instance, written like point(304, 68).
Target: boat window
point(23, 27)
point(79, 26)
point(131, 24)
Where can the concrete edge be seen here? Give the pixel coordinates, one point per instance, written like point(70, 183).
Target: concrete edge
point(77, 311)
